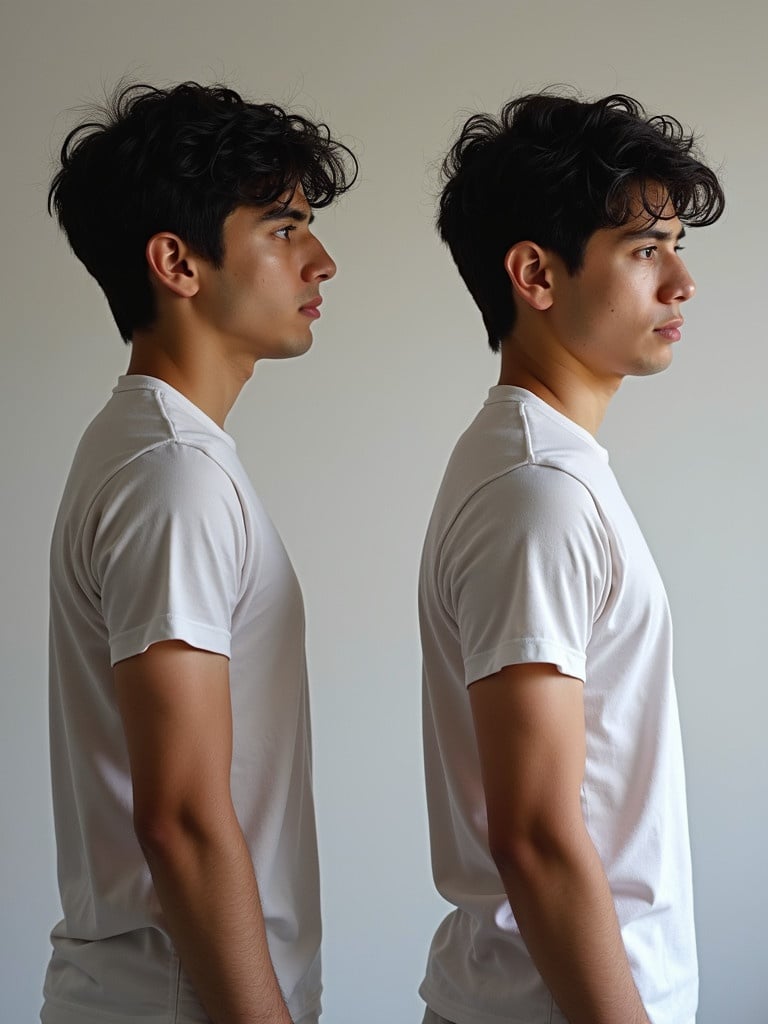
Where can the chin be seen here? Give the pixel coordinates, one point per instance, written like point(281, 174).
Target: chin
point(291, 349)
point(648, 367)
point(302, 346)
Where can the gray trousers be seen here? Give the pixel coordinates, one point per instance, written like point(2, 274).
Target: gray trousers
point(430, 1017)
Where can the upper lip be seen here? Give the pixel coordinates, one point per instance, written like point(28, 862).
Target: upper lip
point(313, 303)
point(670, 324)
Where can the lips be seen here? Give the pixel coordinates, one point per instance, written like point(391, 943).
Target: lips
point(311, 309)
point(671, 329)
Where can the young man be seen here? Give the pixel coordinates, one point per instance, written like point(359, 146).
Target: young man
point(179, 716)
point(553, 758)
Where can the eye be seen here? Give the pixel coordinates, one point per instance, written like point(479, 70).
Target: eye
point(647, 252)
point(285, 231)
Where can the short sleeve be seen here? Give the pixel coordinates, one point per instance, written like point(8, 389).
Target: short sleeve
point(525, 570)
point(167, 548)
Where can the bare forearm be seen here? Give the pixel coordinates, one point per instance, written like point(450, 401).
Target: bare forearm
point(208, 892)
point(565, 912)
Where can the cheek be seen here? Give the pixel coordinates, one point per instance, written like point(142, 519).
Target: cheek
point(615, 302)
point(596, 313)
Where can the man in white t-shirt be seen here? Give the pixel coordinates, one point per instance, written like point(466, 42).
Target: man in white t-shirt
point(552, 745)
point(180, 736)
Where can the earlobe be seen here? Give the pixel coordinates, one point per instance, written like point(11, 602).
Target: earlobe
point(172, 264)
point(528, 268)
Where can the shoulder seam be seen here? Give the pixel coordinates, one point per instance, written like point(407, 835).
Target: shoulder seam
point(168, 442)
point(526, 433)
point(160, 399)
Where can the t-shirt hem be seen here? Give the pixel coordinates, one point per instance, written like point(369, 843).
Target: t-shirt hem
point(460, 1014)
point(54, 1011)
point(170, 627)
point(524, 651)
point(313, 1008)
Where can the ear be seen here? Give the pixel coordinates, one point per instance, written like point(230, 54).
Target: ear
point(172, 264)
point(529, 268)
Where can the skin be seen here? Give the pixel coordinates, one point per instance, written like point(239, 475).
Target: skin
point(575, 339)
point(176, 713)
point(213, 325)
point(578, 336)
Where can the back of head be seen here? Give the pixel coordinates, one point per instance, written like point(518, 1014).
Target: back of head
point(553, 170)
point(180, 160)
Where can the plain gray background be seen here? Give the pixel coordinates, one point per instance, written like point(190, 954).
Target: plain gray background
point(347, 444)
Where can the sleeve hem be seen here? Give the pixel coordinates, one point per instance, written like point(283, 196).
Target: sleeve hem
point(170, 627)
point(526, 650)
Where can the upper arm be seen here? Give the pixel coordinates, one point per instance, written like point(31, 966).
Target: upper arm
point(529, 725)
point(174, 703)
point(525, 572)
point(166, 545)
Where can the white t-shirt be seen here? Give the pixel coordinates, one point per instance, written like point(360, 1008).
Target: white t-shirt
point(160, 536)
point(533, 555)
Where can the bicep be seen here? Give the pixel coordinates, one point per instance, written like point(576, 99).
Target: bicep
point(174, 703)
point(529, 725)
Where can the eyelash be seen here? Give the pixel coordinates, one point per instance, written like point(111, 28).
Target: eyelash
point(287, 228)
point(654, 248)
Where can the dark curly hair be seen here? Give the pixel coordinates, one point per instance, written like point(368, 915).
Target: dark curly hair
point(181, 160)
point(553, 170)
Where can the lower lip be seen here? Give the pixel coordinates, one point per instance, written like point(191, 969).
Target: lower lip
point(311, 311)
point(670, 333)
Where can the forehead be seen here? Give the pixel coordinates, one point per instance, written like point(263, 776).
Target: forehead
point(291, 205)
point(649, 207)
point(661, 225)
point(294, 197)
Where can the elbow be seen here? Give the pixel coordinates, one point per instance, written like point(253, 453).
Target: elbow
point(528, 856)
point(159, 832)
point(511, 852)
point(165, 832)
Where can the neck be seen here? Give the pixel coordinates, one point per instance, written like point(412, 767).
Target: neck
point(557, 379)
point(200, 372)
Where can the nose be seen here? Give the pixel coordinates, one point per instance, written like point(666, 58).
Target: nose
point(320, 266)
point(679, 286)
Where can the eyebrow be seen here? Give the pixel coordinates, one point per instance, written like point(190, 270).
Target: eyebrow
point(656, 234)
point(287, 213)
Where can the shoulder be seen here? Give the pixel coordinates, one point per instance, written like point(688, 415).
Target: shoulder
point(171, 472)
point(173, 493)
point(533, 523)
point(532, 498)
point(168, 534)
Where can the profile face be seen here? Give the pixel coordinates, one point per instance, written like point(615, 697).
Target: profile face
point(265, 297)
point(620, 314)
